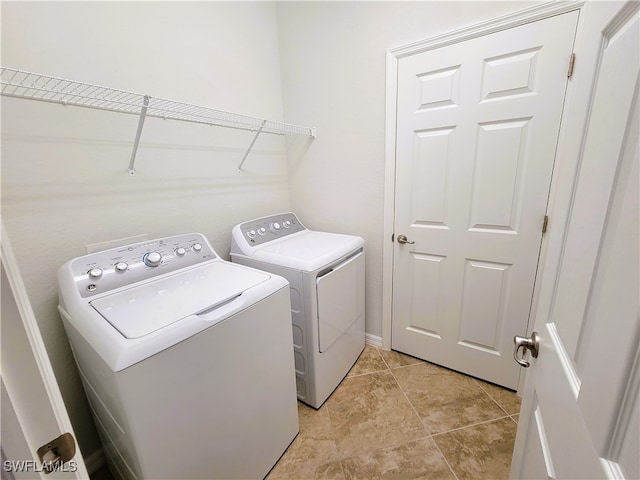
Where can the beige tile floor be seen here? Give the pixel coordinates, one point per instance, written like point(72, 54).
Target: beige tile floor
point(397, 417)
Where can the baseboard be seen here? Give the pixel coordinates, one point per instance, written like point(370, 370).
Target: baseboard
point(95, 461)
point(373, 340)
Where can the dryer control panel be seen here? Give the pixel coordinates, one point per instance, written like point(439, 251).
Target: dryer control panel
point(262, 230)
point(110, 269)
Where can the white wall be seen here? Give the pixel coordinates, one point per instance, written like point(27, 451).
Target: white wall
point(333, 64)
point(64, 169)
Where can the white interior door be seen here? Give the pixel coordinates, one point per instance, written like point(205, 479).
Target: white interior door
point(580, 415)
point(33, 413)
point(477, 128)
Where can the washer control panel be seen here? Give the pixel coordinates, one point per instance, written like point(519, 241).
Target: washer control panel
point(103, 271)
point(265, 229)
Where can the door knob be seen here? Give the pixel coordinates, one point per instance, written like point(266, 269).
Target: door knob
point(402, 239)
point(57, 452)
point(526, 343)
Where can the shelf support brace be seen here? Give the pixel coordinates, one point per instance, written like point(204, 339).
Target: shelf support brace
point(143, 115)
point(251, 145)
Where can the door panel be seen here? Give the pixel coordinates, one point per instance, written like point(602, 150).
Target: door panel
point(581, 394)
point(33, 412)
point(477, 126)
point(483, 305)
point(497, 175)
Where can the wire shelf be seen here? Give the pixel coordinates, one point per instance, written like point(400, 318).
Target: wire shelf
point(45, 88)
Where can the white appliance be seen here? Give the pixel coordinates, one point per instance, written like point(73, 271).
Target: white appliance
point(186, 359)
point(326, 278)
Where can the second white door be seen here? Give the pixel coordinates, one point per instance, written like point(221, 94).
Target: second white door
point(477, 127)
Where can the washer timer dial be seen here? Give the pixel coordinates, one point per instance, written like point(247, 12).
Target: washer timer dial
point(152, 259)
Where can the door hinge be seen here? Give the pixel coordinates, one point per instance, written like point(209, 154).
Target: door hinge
point(572, 62)
point(545, 222)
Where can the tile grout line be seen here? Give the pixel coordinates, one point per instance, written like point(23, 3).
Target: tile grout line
point(484, 422)
point(429, 435)
point(490, 396)
point(445, 458)
point(342, 458)
point(382, 357)
point(344, 475)
point(373, 371)
point(410, 403)
point(507, 415)
point(333, 433)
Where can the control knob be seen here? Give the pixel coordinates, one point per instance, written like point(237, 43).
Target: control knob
point(275, 227)
point(262, 230)
point(196, 247)
point(95, 273)
point(286, 223)
point(152, 259)
point(181, 251)
point(121, 267)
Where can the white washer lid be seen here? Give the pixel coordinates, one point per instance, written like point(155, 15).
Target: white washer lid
point(140, 310)
point(307, 250)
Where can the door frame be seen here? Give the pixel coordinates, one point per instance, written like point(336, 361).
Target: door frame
point(566, 158)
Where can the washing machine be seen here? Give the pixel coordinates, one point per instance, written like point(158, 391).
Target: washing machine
point(326, 281)
point(186, 359)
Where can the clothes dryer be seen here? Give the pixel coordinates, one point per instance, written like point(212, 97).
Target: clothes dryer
point(326, 277)
point(186, 359)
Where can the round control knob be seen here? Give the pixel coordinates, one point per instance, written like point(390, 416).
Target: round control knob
point(275, 226)
point(262, 231)
point(286, 223)
point(181, 252)
point(251, 233)
point(152, 259)
point(197, 247)
point(95, 273)
point(121, 267)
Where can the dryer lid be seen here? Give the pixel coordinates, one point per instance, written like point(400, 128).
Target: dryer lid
point(307, 250)
point(143, 309)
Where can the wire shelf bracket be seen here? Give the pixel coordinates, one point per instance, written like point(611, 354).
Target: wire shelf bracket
point(136, 141)
point(45, 88)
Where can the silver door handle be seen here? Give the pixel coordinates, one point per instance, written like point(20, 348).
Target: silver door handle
point(526, 343)
point(402, 239)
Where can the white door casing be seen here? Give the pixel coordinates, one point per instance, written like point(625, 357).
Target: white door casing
point(580, 415)
point(33, 412)
point(477, 128)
